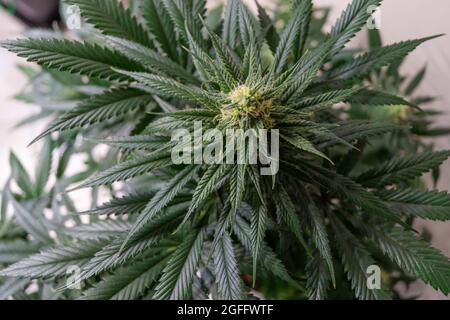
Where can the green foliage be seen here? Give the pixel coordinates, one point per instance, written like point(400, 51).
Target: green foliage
point(196, 230)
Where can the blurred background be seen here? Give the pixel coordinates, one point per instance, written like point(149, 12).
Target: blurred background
point(398, 20)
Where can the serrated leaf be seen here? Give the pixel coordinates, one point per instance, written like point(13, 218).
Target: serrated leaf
point(209, 182)
point(414, 255)
point(375, 59)
point(11, 286)
point(356, 259)
point(74, 57)
point(291, 34)
point(258, 225)
point(53, 263)
point(161, 26)
point(129, 169)
point(13, 251)
point(139, 142)
point(30, 222)
point(109, 256)
point(318, 278)
point(151, 60)
point(353, 130)
point(415, 82)
point(402, 169)
point(268, 27)
point(352, 19)
point(432, 205)
point(99, 230)
point(268, 258)
point(226, 270)
point(178, 275)
point(230, 29)
point(161, 199)
point(44, 166)
point(129, 204)
point(111, 18)
point(129, 282)
point(98, 109)
point(167, 87)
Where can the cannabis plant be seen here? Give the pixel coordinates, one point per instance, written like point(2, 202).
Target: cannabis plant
point(417, 121)
point(40, 210)
point(190, 229)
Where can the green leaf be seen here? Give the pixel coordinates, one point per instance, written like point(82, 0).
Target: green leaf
point(11, 286)
point(259, 222)
point(346, 189)
point(30, 221)
point(161, 26)
point(354, 130)
point(99, 230)
point(378, 98)
point(416, 81)
point(291, 34)
point(74, 57)
point(352, 19)
point(247, 24)
point(292, 83)
point(13, 251)
point(402, 169)
point(375, 59)
point(44, 166)
point(129, 169)
point(356, 259)
point(267, 257)
point(110, 255)
point(151, 60)
point(211, 180)
point(432, 205)
point(287, 213)
point(140, 142)
point(53, 263)
point(99, 108)
point(185, 18)
point(320, 239)
point(178, 275)
point(228, 279)
point(20, 175)
point(224, 56)
point(268, 28)
point(129, 204)
point(304, 145)
point(230, 29)
point(111, 18)
point(167, 87)
point(161, 199)
point(237, 187)
point(300, 42)
point(318, 278)
point(129, 282)
point(414, 255)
